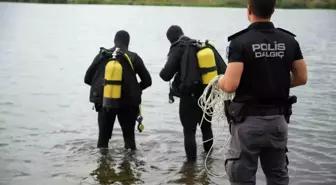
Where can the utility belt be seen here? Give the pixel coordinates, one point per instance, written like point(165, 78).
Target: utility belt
point(237, 112)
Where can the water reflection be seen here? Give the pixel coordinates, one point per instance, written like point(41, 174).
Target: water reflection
point(111, 171)
point(192, 175)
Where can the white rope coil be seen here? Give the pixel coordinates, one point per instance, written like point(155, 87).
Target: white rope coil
point(212, 99)
point(212, 104)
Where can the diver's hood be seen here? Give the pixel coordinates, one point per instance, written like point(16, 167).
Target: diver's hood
point(122, 39)
point(174, 33)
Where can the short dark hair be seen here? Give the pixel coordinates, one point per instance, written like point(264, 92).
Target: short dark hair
point(262, 8)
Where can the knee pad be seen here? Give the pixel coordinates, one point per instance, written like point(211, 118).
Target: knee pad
point(237, 168)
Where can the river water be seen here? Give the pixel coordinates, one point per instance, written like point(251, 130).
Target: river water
point(48, 129)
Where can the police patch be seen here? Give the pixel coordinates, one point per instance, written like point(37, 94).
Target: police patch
point(269, 50)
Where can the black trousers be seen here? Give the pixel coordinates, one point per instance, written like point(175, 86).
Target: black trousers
point(127, 120)
point(191, 115)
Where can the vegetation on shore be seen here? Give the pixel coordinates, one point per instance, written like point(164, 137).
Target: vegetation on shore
point(325, 4)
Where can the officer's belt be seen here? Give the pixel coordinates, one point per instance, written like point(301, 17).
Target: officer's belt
point(249, 111)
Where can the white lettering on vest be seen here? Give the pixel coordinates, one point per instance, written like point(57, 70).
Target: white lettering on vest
point(269, 50)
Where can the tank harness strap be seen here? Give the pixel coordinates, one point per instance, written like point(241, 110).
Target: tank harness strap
point(129, 60)
point(112, 82)
point(205, 70)
point(139, 118)
point(140, 111)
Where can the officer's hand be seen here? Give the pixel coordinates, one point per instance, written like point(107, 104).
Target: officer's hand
point(221, 82)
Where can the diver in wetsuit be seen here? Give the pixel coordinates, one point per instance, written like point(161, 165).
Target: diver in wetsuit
point(130, 99)
point(189, 111)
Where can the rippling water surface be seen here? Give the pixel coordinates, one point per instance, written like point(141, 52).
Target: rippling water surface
point(48, 130)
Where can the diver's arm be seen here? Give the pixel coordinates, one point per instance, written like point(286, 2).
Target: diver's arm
point(141, 70)
point(91, 70)
point(172, 64)
point(229, 82)
point(299, 69)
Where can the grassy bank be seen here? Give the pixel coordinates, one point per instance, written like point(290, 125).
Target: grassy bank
point(316, 4)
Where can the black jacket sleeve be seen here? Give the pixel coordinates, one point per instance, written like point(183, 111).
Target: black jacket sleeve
point(141, 70)
point(91, 70)
point(172, 64)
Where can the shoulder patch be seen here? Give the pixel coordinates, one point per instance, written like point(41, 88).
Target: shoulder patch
point(286, 31)
point(237, 34)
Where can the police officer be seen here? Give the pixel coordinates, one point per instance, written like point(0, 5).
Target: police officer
point(189, 111)
point(264, 62)
point(129, 105)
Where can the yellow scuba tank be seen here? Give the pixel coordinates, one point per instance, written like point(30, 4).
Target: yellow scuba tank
point(113, 82)
point(207, 63)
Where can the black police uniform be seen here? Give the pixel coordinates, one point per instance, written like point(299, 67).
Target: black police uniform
point(189, 112)
point(130, 99)
point(268, 54)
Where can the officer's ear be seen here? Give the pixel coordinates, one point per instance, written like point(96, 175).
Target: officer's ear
point(249, 12)
point(249, 9)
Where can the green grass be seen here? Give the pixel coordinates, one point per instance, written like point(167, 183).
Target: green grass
point(302, 4)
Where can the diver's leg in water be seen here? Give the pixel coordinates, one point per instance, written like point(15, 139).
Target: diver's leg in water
point(105, 124)
point(206, 130)
point(127, 119)
point(189, 122)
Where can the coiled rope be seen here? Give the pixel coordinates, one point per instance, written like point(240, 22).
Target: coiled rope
point(212, 104)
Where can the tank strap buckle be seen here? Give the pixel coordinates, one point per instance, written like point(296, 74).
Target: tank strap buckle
point(112, 82)
point(205, 70)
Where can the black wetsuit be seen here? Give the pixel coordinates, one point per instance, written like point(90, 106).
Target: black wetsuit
point(189, 111)
point(130, 100)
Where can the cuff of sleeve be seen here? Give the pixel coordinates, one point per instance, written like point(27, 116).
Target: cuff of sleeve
point(232, 61)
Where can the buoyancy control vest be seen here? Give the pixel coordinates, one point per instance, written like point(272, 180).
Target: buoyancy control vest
point(114, 73)
point(198, 66)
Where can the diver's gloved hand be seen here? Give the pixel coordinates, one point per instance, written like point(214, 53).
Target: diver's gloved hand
point(170, 96)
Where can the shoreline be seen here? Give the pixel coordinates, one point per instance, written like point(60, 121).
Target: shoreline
point(229, 4)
